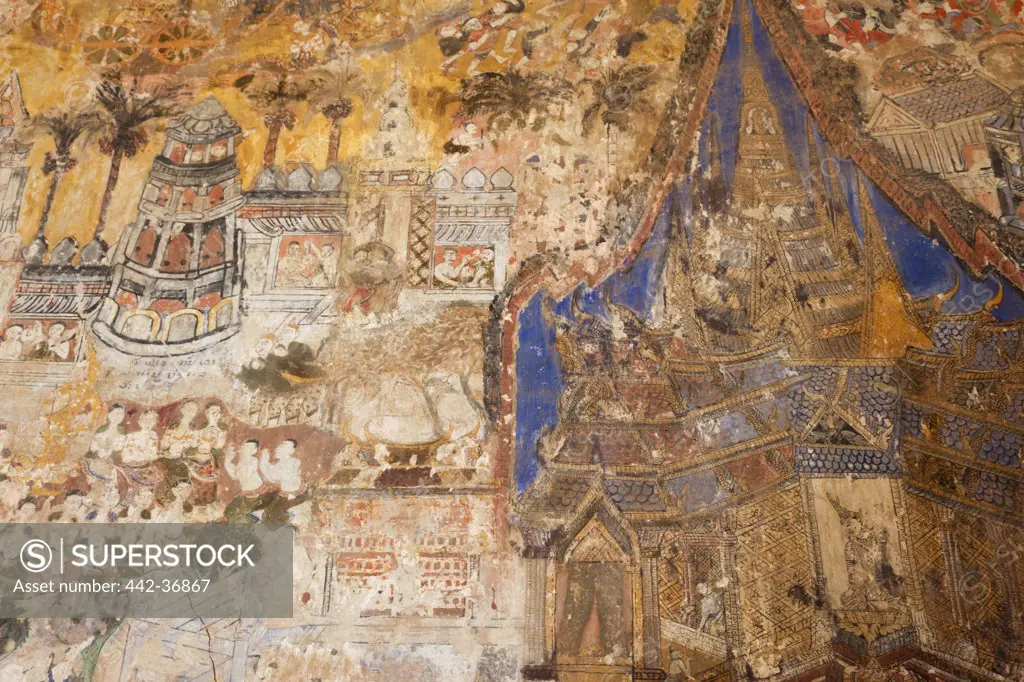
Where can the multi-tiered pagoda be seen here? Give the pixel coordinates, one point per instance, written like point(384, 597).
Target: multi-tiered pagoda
point(774, 466)
point(177, 274)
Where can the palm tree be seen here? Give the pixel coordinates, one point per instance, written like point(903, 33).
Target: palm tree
point(618, 101)
point(336, 112)
point(65, 127)
point(128, 111)
point(275, 95)
point(334, 96)
point(513, 98)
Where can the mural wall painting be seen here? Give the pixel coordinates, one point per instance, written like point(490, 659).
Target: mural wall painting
point(579, 341)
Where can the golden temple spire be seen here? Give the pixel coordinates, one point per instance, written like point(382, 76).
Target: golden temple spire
point(766, 172)
point(677, 286)
point(715, 190)
point(829, 205)
point(890, 325)
point(771, 264)
point(816, 164)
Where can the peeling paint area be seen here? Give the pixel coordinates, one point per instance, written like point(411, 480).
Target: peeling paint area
point(577, 341)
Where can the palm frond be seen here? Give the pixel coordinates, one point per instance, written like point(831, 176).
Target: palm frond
point(618, 97)
point(331, 86)
point(512, 97)
point(278, 91)
point(443, 99)
point(65, 126)
point(619, 120)
point(590, 115)
point(634, 76)
point(127, 109)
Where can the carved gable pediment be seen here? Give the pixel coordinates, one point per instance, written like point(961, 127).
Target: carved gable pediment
point(595, 544)
point(891, 118)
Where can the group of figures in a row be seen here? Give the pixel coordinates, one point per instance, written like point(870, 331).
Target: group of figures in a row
point(186, 472)
point(55, 343)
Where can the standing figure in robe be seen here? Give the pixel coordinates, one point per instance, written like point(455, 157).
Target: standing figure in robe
point(107, 442)
point(136, 466)
point(284, 471)
point(180, 441)
point(207, 456)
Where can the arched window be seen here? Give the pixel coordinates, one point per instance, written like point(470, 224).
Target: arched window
point(223, 314)
point(179, 252)
point(184, 326)
point(195, 154)
point(216, 195)
point(594, 581)
point(139, 326)
point(178, 152)
point(188, 199)
point(219, 150)
point(165, 195)
point(145, 246)
point(212, 250)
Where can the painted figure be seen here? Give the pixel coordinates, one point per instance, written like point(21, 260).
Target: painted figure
point(282, 470)
point(243, 466)
point(11, 347)
point(137, 465)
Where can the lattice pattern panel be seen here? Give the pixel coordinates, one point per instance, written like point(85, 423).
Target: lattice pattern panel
point(772, 559)
point(683, 567)
point(421, 243)
point(926, 546)
point(983, 589)
point(672, 594)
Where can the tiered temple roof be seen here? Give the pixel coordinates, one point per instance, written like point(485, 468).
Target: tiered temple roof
point(177, 269)
point(952, 100)
point(204, 123)
point(781, 360)
point(780, 255)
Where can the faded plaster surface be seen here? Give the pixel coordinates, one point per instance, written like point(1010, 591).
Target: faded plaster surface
point(579, 341)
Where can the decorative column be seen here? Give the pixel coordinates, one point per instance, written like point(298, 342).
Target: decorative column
point(537, 664)
point(954, 572)
point(1007, 556)
point(914, 597)
point(821, 632)
point(734, 636)
point(650, 657)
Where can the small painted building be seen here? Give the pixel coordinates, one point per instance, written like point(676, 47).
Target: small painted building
point(294, 222)
point(45, 329)
point(177, 269)
point(1004, 131)
point(939, 128)
point(463, 253)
